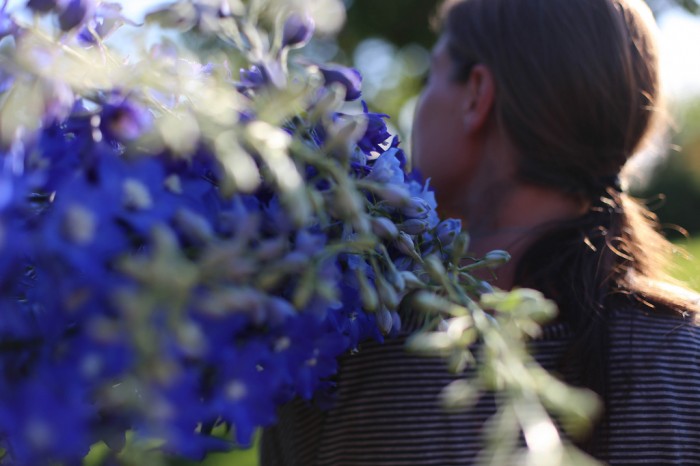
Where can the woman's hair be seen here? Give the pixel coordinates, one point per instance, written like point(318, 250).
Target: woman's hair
point(578, 93)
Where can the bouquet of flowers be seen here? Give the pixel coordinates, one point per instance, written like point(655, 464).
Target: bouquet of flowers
point(184, 247)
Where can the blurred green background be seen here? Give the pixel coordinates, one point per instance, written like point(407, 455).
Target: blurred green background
point(389, 42)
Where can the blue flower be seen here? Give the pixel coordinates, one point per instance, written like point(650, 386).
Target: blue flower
point(48, 416)
point(376, 133)
point(424, 192)
point(386, 169)
point(74, 12)
point(349, 78)
point(42, 6)
point(105, 21)
point(7, 24)
point(298, 30)
point(447, 231)
point(125, 120)
point(252, 78)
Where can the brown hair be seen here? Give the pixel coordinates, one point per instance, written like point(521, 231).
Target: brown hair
point(578, 93)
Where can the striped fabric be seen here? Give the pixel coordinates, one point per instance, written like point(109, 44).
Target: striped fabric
point(387, 411)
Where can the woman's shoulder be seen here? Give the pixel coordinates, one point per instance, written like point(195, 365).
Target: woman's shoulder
point(653, 399)
point(645, 328)
point(640, 324)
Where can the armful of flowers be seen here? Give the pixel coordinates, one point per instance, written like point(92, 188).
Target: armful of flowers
point(183, 247)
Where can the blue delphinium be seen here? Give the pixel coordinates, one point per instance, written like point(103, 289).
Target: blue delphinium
point(142, 290)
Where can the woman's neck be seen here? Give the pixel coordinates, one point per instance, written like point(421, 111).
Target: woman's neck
point(511, 219)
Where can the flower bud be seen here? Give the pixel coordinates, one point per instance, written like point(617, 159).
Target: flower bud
point(79, 225)
point(405, 244)
point(460, 395)
point(298, 30)
point(414, 226)
point(387, 294)
point(448, 230)
point(496, 258)
point(347, 203)
point(484, 287)
point(460, 247)
point(416, 208)
point(431, 303)
point(173, 183)
point(136, 195)
point(125, 121)
point(384, 228)
point(368, 295)
point(274, 73)
point(394, 195)
point(73, 13)
point(395, 277)
point(433, 265)
point(193, 226)
point(349, 78)
point(385, 320)
point(429, 343)
point(396, 321)
point(411, 280)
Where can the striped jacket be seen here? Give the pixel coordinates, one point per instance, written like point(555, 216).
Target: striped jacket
point(387, 411)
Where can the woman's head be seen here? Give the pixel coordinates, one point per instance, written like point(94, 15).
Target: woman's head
point(573, 88)
point(576, 83)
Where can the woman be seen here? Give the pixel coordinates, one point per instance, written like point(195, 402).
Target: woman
point(532, 109)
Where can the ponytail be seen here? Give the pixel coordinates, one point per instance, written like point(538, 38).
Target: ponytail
point(611, 257)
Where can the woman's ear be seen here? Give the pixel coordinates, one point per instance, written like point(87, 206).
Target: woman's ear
point(480, 98)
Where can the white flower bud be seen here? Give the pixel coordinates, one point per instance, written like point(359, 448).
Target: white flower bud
point(368, 295)
point(411, 280)
point(173, 184)
point(136, 195)
point(460, 247)
point(395, 278)
point(79, 225)
point(193, 225)
point(387, 293)
point(433, 265)
point(431, 303)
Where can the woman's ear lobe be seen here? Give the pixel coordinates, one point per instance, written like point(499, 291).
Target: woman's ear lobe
point(480, 98)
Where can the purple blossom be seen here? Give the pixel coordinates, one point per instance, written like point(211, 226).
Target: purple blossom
point(349, 78)
point(387, 169)
point(101, 240)
point(42, 6)
point(447, 231)
point(298, 30)
point(125, 120)
point(105, 21)
point(7, 23)
point(263, 74)
point(376, 133)
point(74, 12)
